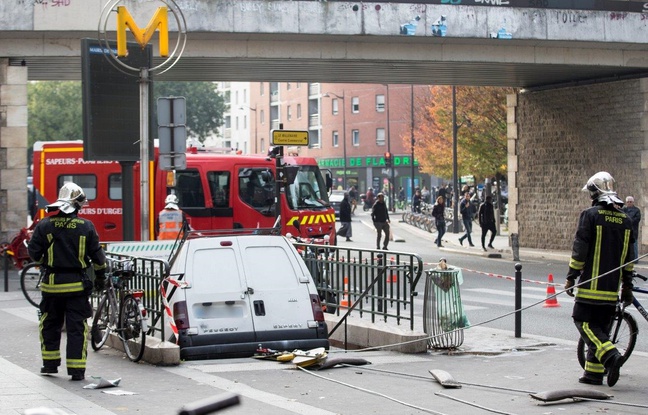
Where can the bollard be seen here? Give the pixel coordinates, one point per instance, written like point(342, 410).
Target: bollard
point(382, 263)
point(515, 246)
point(518, 300)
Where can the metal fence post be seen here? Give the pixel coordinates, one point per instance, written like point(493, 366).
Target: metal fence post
point(518, 300)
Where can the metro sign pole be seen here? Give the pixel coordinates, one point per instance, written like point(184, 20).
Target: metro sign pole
point(159, 22)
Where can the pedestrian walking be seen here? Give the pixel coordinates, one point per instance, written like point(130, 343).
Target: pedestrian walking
point(438, 212)
point(380, 217)
point(634, 213)
point(345, 219)
point(467, 212)
point(486, 214)
point(171, 219)
point(416, 202)
point(66, 245)
point(353, 199)
point(601, 261)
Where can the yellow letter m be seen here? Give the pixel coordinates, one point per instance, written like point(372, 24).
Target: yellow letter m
point(159, 20)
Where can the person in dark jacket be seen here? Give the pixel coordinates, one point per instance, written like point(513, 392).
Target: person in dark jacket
point(467, 212)
point(66, 245)
point(486, 214)
point(380, 217)
point(438, 212)
point(601, 260)
point(634, 213)
point(345, 218)
point(416, 202)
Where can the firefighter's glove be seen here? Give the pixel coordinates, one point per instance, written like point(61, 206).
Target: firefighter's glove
point(626, 295)
point(569, 284)
point(100, 280)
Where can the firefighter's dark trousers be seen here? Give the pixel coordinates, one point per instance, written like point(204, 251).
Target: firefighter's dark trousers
point(595, 332)
point(74, 312)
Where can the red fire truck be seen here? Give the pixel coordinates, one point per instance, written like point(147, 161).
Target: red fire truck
point(216, 191)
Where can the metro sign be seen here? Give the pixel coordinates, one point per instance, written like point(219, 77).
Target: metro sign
point(159, 21)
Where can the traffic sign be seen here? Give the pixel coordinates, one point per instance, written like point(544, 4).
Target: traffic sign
point(289, 138)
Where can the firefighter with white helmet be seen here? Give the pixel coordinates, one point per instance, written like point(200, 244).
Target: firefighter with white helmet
point(171, 219)
point(602, 243)
point(66, 245)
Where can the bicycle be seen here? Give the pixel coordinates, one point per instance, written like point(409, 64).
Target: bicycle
point(624, 331)
point(121, 312)
point(30, 280)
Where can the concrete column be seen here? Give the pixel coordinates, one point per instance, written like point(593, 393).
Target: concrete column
point(512, 160)
point(13, 148)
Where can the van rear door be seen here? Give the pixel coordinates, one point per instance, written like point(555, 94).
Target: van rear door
point(218, 301)
point(280, 289)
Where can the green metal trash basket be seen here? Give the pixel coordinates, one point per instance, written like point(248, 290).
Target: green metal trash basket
point(443, 314)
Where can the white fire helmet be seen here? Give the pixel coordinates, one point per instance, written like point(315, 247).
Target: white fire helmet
point(70, 199)
point(601, 188)
point(171, 202)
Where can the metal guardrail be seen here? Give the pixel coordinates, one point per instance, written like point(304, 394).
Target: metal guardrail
point(378, 283)
point(149, 274)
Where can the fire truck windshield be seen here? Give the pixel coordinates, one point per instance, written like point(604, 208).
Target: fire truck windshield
point(308, 191)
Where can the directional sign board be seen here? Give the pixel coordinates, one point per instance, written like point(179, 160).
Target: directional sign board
point(289, 138)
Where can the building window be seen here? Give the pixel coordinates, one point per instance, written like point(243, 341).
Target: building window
point(263, 148)
point(314, 140)
point(336, 139)
point(335, 106)
point(245, 96)
point(261, 89)
point(355, 104)
point(236, 97)
point(299, 111)
point(380, 103)
point(236, 125)
point(245, 122)
point(289, 113)
point(288, 86)
point(262, 117)
point(355, 134)
point(298, 85)
point(380, 136)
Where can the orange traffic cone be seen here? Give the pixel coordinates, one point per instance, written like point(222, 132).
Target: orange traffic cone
point(551, 300)
point(344, 302)
point(392, 273)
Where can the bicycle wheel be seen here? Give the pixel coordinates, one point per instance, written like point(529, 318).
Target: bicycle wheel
point(623, 336)
point(101, 326)
point(30, 279)
point(130, 328)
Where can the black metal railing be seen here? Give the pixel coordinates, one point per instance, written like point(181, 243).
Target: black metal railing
point(381, 284)
point(149, 274)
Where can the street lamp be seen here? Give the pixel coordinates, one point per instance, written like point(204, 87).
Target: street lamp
point(455, 181)
point(344, 154)
point(256, 142)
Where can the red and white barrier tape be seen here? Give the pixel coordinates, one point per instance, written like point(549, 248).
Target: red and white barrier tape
point(165, 302)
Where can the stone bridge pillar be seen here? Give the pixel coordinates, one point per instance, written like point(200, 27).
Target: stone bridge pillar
point(13, 148)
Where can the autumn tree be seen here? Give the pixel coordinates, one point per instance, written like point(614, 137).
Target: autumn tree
point(481, 136)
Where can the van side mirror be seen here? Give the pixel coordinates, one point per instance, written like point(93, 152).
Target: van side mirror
point(297, 225)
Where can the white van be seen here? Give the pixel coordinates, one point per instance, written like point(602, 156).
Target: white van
point(244, 292)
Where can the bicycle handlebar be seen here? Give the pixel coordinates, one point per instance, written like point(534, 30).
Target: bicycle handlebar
point(640, 276)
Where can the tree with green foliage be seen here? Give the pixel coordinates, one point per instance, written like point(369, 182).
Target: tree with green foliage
point(55, 108)
point(205, 106)
point(54, 111)
point(481, 137)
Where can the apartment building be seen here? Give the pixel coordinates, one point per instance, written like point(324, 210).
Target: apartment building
point(351, 128)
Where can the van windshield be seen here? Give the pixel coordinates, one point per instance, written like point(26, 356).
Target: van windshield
point(308, 191)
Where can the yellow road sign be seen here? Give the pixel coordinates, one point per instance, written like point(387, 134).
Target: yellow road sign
point(289, 138)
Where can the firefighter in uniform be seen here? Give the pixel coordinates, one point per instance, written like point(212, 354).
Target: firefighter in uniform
point(601, 259)
point(66, 245)
point(171, 219)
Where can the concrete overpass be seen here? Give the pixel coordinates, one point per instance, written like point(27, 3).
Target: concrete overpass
point(335, 41)
point(577, 43)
